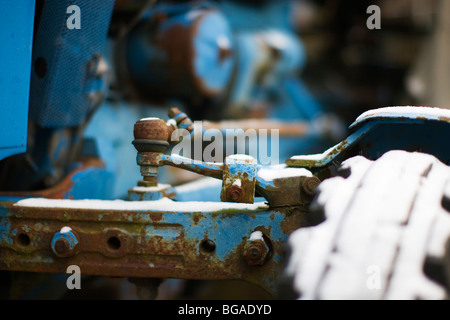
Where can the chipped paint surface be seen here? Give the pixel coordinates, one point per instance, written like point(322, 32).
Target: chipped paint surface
point(367, 126)
point(239, 179)
point(321, 160)
point(117, 240)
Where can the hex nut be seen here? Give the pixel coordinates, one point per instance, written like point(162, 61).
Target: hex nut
point(64, 243)
point(62, 246)
point(256, 252)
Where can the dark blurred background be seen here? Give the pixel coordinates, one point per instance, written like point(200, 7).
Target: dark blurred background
point(352, 69)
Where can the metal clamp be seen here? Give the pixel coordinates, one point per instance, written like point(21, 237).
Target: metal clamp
point(239, 179)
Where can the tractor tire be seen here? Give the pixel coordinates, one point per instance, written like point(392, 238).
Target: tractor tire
point(384, 235)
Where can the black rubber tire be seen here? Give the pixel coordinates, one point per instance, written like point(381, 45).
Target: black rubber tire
point(384, 236)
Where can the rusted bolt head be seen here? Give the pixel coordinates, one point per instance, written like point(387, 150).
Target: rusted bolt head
point(256, 251)
point(151, 135)
point(151, 129)
point(64, 243)
point(234, 193)
point(148, 182)
point(62, 246)
point(310, 184)
point(224, 54)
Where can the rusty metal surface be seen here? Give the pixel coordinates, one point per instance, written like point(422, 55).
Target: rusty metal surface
point(239, 179)
point(283, 187)
point(148, 193)
point(151, 129)
point(310, 185)
point(178, 42)
point(257, 249)
point(146, 243)
point(209, 169)
point(321, 160)
point(171, 35)
point(208, 241)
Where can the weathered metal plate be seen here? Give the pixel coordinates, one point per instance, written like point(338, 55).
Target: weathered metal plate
point(139, 239)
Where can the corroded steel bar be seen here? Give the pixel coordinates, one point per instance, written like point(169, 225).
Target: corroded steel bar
point(153, 239)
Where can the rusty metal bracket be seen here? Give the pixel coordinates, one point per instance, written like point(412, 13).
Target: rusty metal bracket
point(146, 239)
point(239, 179)
point(377, 131)
point(154, 237)
point(280, 185)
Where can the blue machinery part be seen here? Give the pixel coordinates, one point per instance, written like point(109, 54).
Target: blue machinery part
point(226, 51)
point(51, 106)
point(234, 52)
point(15, 67)
point(181, 51)
point(191, 240)
point(68, 82)
point(164, 238)
point(377, 131)
point(62, 56)
point(89, 177)
point(64, 243)
point(279, 185)
point(194, 240)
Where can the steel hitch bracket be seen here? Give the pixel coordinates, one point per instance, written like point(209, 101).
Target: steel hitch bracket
point(157, 237)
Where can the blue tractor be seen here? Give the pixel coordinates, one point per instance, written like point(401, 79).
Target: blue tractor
point(99, 98)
